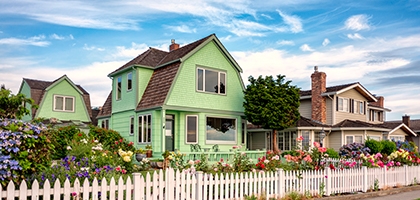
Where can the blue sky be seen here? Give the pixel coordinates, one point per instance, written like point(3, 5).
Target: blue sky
point(376, 43)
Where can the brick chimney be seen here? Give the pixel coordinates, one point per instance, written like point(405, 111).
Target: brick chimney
point(173, 46)
point(379, 103)
point(319, 107)
point(406, 120)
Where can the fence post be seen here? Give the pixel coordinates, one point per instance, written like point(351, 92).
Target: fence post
point(328, 181)
point(365, 179)
point(280, 183)
point(385, 178)
point(406, 182)
point(199, 185)
point(136, 185)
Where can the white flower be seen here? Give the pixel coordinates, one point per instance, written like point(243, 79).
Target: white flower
point(68, 147)
point(266, 161)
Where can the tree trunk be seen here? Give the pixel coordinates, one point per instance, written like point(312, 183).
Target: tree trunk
point(274, 140)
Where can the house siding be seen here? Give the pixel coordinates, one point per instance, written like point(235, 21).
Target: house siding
point(184, 92)
point(305, 108)
point(330, 110)
point(334, 140)
point(398, 132)
point(63, 88)
point(143, 79)
point(26, 90)
point(128, 98)
point(351, 94)
point(373, 133)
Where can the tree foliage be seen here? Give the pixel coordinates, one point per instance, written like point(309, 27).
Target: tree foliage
point(272, 103)
point(13, 106)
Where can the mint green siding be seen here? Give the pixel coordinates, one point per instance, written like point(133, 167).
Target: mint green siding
point(184, 92)
point(27, 92)
point(143, 75)
point(63, 88)
point(128, 97)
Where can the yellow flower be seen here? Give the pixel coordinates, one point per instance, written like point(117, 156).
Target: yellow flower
point(127, 158)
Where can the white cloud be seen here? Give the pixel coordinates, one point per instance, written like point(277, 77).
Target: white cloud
point(132, 52)
point(182, 28)
point(306, 47)
point(57, 37)
point(71, 37)
point(91, 48)
point(285, 42)
point(294, 22)
point(355, 36)
point(227, 38)
point(266, 16)
point(325, 42)
point(33, 41)
point(357, 22)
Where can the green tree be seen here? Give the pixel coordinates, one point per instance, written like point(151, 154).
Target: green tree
point(272, 104)
point(13, 106)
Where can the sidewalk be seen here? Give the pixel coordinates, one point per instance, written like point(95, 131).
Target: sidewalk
point(369, 195)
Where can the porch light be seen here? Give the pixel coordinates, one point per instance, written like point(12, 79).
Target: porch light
point(321, 137)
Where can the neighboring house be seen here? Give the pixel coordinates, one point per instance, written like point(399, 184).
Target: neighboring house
point(345, 113)
point(173, 100)
point(414, 125)
point(59, 101)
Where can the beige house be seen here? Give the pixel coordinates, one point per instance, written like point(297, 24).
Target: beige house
point(344, 114)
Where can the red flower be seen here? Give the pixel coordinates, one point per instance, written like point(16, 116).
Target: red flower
point(116, 142)
point(332, 166)
point(80, 135)
point(131, 143)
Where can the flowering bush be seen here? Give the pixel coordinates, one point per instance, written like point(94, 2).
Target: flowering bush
point(242, 163)
point(222, 167)
point(353, 150)
point(176, 160)
point(270, 162)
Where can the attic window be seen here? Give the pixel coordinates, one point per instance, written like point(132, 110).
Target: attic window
point(211, 81)
point(63, 103)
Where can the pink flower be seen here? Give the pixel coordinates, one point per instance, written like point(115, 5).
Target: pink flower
point(123, 171)
point(398, 163)
point(118, 168)
point(308, 158)
point(73, 194)
point(299, 139)
point(316, 144)
point(322, 149)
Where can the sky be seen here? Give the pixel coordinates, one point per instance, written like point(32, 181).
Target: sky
point(376, 43)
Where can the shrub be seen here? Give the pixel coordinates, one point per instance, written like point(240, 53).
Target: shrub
point(332, 153)
point(353, 150)
point(24, 150)
point(374, 146)
point(111, 139)
point(388, 147)
point(61, 139)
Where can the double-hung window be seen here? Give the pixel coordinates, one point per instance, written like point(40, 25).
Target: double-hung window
point(343, 104)
point(129, 81)
point(192, 129)
point(63, 103)
point(105, 123)
point(118, 88)
point(361, 107)
point(211, 81)
point(145, 129)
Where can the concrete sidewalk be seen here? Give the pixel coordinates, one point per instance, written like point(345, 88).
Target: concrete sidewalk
point(369, 195)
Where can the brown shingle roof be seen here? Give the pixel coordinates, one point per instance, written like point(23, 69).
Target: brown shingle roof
point(414, 124)
point(347, 123)
point(38, 90)
point(106, 109)
point(328, 89)
point(306, 122)
point(158, 87)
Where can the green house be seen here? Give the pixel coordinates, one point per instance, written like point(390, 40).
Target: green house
point(190, 96)
point(59, 102)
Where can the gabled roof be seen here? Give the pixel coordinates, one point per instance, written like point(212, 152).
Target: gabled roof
point(39, 87)
point(338, 89)
point(414, 124)
point(347, 123)
point(399, 125)
point(306, 122)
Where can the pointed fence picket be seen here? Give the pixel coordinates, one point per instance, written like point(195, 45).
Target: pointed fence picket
point(181, 185)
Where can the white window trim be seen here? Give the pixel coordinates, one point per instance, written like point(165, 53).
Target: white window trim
point(116, 89)
point(129, 90)
point(132, 122)
point(204, 80)
point(64, 103)
point(221, 141)
point(347, 105)
point(142, 128)
point(186, 128)
point(352, 136)
point(361, 107)
point(397, 136)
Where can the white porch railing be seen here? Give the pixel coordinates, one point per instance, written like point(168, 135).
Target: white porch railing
point(170, 184)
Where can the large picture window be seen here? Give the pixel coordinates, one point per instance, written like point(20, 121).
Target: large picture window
point(118, 88)
point(211, 81)
point(192, 129)
point(63, 103)
point(221, 130)
point(145, 129)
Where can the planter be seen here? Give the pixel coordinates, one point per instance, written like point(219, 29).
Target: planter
point(149, 153)
point(140, 157)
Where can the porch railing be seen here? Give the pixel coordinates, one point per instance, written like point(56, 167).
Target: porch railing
point(225, 155)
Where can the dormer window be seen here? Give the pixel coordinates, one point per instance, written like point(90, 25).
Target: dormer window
point(211, 81)
point(63, 103)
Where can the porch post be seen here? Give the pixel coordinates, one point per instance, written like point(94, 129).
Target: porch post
point(163, 130)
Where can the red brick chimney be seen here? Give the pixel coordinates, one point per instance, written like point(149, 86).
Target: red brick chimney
point(319, 107)
point(173, 46)
point(406, 120)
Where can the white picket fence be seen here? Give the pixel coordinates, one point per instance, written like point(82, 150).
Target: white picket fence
point(171, 184)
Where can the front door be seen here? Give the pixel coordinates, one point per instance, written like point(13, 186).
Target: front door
point(169, 134)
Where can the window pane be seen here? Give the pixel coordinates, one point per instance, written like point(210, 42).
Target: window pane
point(221, 129)
point(149, 128)
point(103, 124)
point(293, 139)
point(305, 142)
point(345, 105)
point(191, 129)
point(222, 83)
point(140, 129)
point(281, 141)
point(69, 104)
point(119, 88)
point(211, 83)
point(340, 104)
point(358, 139)
point(131, 125)
point(200, 79)
point(243, 135)
point(59, 103)
point(349, 139)
point(107, 124)
point(129, 81)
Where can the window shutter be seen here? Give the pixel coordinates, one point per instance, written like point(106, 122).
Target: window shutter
point(364, 107)
point(352, 105)
point(336, 103)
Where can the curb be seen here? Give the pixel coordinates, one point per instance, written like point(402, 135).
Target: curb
point(366, 195)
